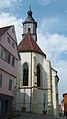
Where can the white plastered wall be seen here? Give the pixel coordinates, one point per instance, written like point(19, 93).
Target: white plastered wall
point(43, 90)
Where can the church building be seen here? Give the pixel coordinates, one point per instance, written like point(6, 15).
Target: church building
point(37, 81)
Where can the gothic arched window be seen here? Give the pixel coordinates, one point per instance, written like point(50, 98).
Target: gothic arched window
point(38, 75)
point(25, 74)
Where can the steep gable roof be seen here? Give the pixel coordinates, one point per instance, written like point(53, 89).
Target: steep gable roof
point(29, 45)
point(4, 30)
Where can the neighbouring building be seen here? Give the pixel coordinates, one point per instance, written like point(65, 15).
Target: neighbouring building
point(37, 82)
point(8, 68)
point(65, 104)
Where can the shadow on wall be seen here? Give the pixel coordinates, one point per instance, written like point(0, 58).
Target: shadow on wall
point(24, 102)
point(56, 112)
point(24, 98)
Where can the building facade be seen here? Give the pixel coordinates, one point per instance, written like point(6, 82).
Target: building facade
point(65, 104)
point(35, 82)
point(8, 68)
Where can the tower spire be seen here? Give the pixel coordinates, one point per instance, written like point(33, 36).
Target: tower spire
point(29, 5)
point(30, 24)
point(29, 11)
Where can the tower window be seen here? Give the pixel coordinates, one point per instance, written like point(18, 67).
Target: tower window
point(29, 29)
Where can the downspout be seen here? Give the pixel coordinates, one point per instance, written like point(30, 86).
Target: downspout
point(31, 87)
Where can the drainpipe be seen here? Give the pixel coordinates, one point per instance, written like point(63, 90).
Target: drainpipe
point(31, 87)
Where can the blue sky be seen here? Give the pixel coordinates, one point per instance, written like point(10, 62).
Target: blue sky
point(51, 16)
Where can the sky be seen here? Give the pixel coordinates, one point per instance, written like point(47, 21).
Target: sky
point(51, 17)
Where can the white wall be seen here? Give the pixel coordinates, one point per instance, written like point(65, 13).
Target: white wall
point(40, 59)
point(54, 87)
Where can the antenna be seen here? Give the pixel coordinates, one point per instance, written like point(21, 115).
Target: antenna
point(29, 5)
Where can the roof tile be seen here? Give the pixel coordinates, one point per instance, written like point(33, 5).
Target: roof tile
point(29, 45)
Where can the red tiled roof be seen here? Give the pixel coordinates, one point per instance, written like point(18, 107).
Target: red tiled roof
point(29, 45)
point(3, 30)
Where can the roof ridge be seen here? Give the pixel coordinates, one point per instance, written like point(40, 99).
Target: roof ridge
point(29, 45)
point(6, 27)
point(35, 43)
point(31, 40)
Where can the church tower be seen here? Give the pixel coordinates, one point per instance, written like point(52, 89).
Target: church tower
point(35, 91)
point(30, 25)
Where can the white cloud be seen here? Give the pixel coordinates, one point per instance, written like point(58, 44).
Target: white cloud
point(54, 45)
point(62, 71)
point(6, 19)
point(7, 3)
point(48, 23)
point(45, 2)
point(53, 24)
